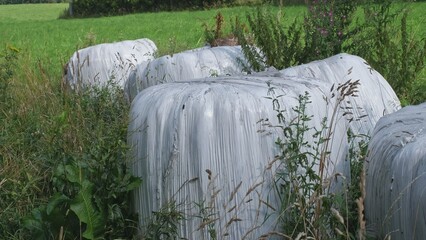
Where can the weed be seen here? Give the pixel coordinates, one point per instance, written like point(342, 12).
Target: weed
point(274, 43)
point(215, 36)
point(89, 181)
point(328, 30)
point(164, 223)
point(326, 27)
point(391, 49)
point(309, 208)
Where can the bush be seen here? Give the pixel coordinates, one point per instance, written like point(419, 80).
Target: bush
point(326, 27)
point(81, 8)
point(392, 49)
point(310, 209)
point(381, 38)
point(275, 45)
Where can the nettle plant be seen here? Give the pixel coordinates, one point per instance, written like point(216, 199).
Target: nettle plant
point(310, 209)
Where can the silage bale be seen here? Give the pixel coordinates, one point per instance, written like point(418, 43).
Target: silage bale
point(179, 130)
point(108, 63)
point(197, 63)
point(395, 203)
point(375, 99)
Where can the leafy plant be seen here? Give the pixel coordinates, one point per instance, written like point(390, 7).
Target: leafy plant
point(215, 35)
point(212, 35)
point(91, 183)
point(392, 49)
point(327, 30)
point(326, 27)
point(273, 43)
point(164, 223)
point(309, 208)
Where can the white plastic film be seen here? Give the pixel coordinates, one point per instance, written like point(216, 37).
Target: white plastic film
point(198, 63)
point(108, 63)
point(395, 204)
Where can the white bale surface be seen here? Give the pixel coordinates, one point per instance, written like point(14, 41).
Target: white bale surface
point(197, 63)
point(178, 130)
point(395, 203)
point(107, 63)
point(375, 99)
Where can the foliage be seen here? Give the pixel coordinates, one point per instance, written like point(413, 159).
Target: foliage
point(323, 33)
point(63, 159)
point(328, 29)
point(164, 223)
point(275, 45)
point(9, 191)
point(92, 185)
point(309, 208)
point(213, 34)
point(81, 8)
point(356, 189)
point(8, 60)
point(392, 49)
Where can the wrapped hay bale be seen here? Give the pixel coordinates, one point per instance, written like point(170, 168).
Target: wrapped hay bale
point(210, 143)
point(108, 63)
point(209, 147)
point(395, 204)
point(375, 98)
point(198, 63)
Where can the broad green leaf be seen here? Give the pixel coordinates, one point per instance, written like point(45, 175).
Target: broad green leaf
point(54, 201)
point(83, 207)
point(135, 182)
point(72, 173)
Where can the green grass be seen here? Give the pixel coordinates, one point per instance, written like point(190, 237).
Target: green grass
point(36, 29)
point(45, 37)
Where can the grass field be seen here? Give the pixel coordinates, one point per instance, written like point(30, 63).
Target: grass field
point(53, 40)
point(37, 31)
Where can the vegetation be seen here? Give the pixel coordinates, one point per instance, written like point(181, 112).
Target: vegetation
point(62, 167)
point(380, 35)
point(85, 8)
point(309, 208)
point(30, 1)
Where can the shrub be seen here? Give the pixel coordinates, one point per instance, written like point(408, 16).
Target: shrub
point(392, 49)
point(62, 157)
point(274, 44)
point(326, 27)
point(327, 30)
point(82, 8)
